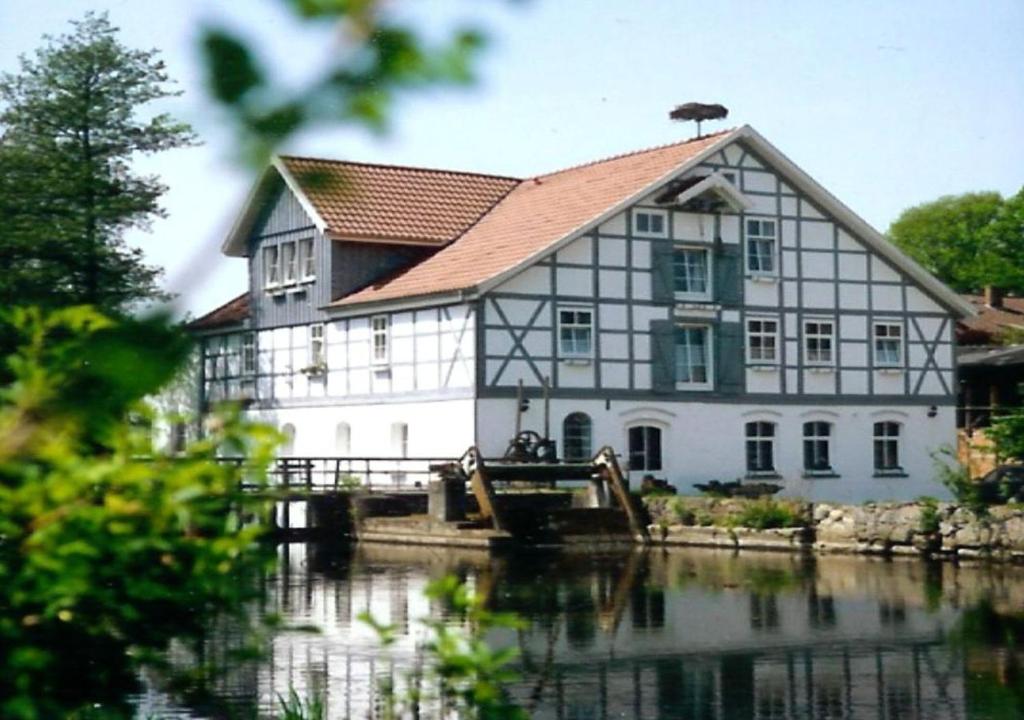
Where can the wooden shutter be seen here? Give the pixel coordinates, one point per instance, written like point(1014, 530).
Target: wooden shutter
point(728, 278)
point(662, 290)
point(729, 360)
point(663, 356)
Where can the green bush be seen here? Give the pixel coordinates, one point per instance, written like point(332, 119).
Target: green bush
point(108, 547)
point(767, 514)
point(928, 520)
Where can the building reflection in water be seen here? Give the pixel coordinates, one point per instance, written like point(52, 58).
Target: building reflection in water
point(685, 634)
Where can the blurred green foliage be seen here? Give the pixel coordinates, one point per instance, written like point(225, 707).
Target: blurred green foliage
point(108, 547)
point(375, 57)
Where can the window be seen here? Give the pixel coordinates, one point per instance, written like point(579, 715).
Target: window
point(307, 259)
point(817, 447)
point(693, 356)
point(249, 354)
point(644, 448)
point(761, 247)
point(289, 262)
point(271, 266)
point(887, 447)
point(690, 274)
point(575, 331)
point(380, 353)
point(762, 341)
point(888, 345)
point(316, 345)
point(760, 447)
point(342, 438)
point(288, 444)
point(818, 335)
point(651, 223)
point(400, 439)
point(576, 437)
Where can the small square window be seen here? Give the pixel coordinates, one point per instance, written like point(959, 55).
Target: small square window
point(650, 223)
point(691, 273)
point(575, 333)
point(819, 342)
point(762, 341)
point(888, 345)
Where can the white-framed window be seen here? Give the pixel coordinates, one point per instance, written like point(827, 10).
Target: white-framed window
point(317, 357)
point(645, 448)
point(400, 439)
point(576, 437)
point(761, 244)
point(249, 354)
point(762, 341)
point(342, 439)
point(819, 342)
point(818, 446)
point(693, 357)
point(575, 332)
point(888, 344)
point(289, 263)
point(288, 441)
point(271, 266)
point(887, 447)
point(691, 273)
point(380, 346)
point(760, 441)
point(307, 259)
point(650, 223)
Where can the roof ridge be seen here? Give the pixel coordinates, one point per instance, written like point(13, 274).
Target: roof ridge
point(393, 166)
point(640, 151)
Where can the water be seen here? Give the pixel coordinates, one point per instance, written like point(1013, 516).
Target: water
point(680, 634)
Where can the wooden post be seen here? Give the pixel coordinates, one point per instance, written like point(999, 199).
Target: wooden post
point(605, 461)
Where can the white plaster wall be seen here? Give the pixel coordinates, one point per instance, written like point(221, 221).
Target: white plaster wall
point(705, 441)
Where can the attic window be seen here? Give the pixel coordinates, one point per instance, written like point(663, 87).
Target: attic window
point(650, 223)
point(307, 259)
point(271, 266)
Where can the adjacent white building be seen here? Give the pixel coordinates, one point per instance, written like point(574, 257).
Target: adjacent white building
point(706, 308)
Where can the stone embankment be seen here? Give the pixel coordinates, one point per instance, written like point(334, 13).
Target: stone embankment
point(921, 528)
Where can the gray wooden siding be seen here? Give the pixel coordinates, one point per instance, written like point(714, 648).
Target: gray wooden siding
point(356, 265)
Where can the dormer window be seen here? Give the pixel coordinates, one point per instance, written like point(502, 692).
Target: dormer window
point(271, 266)
point(650, 223)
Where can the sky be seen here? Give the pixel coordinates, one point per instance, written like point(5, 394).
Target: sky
point(887, 104)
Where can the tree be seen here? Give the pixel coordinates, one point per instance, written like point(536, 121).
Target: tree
point(71, 122)
point(968, 241)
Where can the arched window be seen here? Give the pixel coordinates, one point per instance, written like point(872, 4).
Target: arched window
point(342, 439)
point(645, 447)
point(760, 447)
point(288, 444)
point(887, 447)
point(576, 437)
point(818, 446)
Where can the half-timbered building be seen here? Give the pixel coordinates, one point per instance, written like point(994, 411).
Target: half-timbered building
point(706, 308)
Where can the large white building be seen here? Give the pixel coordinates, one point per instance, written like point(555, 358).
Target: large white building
point(706, 308)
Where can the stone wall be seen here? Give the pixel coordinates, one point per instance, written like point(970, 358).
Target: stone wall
point(910, 528)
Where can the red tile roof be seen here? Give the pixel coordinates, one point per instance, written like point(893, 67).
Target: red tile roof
point(360, 201)
point(534, 215)
point(232, 312)
point(991, 322)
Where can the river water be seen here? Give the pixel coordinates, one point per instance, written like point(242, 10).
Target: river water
point(684, 633)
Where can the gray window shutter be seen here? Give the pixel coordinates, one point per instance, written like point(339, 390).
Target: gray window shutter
point(730, 363)
point(663, 356)
point(728, 277)
point(662, 289)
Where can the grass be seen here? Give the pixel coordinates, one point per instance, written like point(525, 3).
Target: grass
point(761, 514)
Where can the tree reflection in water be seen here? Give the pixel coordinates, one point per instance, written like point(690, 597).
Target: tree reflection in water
point(682, 634)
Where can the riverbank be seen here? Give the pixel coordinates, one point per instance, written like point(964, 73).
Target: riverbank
point(919, 528)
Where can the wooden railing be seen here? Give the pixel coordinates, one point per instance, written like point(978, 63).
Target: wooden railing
point(331, 474)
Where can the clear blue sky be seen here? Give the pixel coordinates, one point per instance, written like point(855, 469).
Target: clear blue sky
point(888, 104)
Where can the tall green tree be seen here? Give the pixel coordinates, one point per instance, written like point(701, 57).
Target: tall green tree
point(967, 241)
point(72, 120)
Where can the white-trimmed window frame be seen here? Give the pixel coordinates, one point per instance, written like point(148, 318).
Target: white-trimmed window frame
point(882, 437)
point(248, 363)
point(888, 324)
point(306, 254)
point(748, 237)
point(709, 275)
point(271, 267)
point(380, 329)
point(289, 267)
point(750, 334)
point(574, 354)
point(650, 212)
point(709, 349)
point(644, 426)
point(805, 338)
point(317, 348)
point(828, 439)
point(759, 441)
